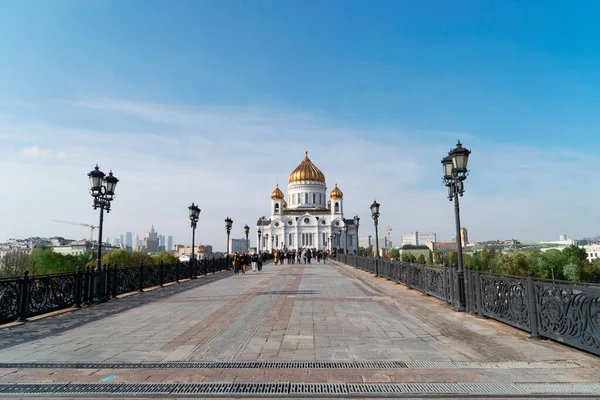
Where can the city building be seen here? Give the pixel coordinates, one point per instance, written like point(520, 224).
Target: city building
point(442, 246)
point(151, 243)
point(117, 242)
point(170, 243)
point(592, 251)
point(308, 218)
point(365, 241)
point(137, 243)
point(78, 247)
point(464, 237)
point(122, 240)
point(128, 240)
point(418, 238)
point(238, 245)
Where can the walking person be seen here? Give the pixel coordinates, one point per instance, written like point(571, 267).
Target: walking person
point(236, 263)
point(244, 262)
point(254, 261)
point(260, 261)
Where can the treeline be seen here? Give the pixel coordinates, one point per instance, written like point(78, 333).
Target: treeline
point(568, 264)
point(46, 261)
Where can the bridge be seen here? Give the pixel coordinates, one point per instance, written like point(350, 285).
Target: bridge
point(302, 330)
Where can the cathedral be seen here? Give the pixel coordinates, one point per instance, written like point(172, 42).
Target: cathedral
point(309, 218)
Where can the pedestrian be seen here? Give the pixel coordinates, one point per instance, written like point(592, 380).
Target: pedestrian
point(236, 263)
point(309, 255)
point(254, 261)
point(260, 261)
point(298, 255)
point(244, 262)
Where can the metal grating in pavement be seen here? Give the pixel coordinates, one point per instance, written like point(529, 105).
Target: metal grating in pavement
point(305, 365)
point(287, 389)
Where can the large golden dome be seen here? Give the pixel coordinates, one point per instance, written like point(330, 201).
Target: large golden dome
point(306, 171)
point(336, 193)
point(277, 193)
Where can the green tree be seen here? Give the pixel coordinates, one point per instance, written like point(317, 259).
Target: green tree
point(576, 252)
point(405, 258)
point(572, 272)
point(437, 258)
point(165, 258)
point(421, 259)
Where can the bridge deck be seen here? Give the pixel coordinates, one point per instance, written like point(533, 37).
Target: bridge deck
point(284, 313)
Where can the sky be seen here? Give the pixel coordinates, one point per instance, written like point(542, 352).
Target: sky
point(214, 102)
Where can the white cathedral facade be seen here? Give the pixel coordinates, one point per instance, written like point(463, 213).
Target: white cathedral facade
point(310, 218)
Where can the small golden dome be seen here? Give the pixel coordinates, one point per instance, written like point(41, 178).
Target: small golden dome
point(277, 194)
point(336, 193)
point(329, 204)
point(306, 171)
point(284, 204)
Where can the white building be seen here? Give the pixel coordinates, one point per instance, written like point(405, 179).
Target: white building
point(310, 219)
point(418, 238)
point(592, 251)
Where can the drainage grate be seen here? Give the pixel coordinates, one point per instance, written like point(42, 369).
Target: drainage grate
point(287, 389)
point(305, 365)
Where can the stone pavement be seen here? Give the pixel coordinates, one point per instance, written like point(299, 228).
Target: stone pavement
point(295, 312)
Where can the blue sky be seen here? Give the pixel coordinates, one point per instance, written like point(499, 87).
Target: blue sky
point(376, 90)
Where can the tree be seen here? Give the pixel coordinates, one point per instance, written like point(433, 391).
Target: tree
point(165, 258)
point(14, 263)
point(437, 258)
point(421, 259)
point(576, 252)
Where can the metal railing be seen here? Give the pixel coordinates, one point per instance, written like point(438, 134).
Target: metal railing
point(559, 310)
point(27, 296)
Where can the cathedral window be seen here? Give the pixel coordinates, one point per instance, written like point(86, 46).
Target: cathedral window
point(337, 207)
point(305, 198)
point(276, 208)
point(314, 199)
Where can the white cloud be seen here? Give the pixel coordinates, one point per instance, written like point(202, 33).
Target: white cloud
point(228, 159)
point(35, 151)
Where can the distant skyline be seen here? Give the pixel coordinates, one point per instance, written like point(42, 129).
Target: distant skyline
point(213, 102)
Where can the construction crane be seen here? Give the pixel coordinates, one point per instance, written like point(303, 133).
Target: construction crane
point(92, 227)
point(388, 230)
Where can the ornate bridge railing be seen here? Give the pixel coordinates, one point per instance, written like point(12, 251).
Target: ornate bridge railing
point(27, 296)
point(563, 311)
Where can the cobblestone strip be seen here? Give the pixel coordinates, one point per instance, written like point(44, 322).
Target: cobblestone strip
point(235, 335)
point(267, 341)
point(211, 326)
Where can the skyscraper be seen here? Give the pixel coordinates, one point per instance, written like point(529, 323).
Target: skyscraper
point(137, 244)
point(151, 241)
point(169, 243)
point(129, 239)
point(161, 240)
point(122, 240)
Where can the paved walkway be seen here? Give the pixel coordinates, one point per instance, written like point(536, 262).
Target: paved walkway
point(297, 313)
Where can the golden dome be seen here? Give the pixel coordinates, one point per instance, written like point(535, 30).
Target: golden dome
point(306, 171)
point(336, 193)
point(284, 204)
point(277, 194)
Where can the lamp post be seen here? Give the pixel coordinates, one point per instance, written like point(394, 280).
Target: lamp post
point(247, 231)
point(267, 241)
point(194, 216)
point(228, 224)
point(455, 172)
point(356, 221)
point(272, 242)
point(375, 214)
point(102, 189)
point(345, 229)
point(259, 247)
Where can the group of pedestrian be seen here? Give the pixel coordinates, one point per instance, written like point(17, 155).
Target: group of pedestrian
point(241, 261)
point(299, 256)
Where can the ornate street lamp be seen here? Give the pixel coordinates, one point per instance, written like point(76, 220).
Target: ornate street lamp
point(345, 229)
point(102, 189)
point(455, 172)
point(247, 231)
point(194, 216)
point(356, 221)
point(267, 241)
point(375, 214)
point(228, 224)
point(259, 247)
